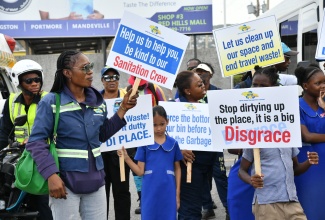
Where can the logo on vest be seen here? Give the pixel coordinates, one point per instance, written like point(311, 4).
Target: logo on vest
point(13, 6)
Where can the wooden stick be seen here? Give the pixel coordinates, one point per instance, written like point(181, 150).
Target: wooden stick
point(135, 86)
point(257, 161)
point(122, 168)
point(189, 172)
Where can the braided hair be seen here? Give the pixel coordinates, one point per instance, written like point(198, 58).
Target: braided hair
point(65, 61)
point(269, 72)
point(304, 74)
point(183, 81)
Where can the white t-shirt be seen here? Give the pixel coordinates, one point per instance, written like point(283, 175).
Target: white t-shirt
point(287, 80)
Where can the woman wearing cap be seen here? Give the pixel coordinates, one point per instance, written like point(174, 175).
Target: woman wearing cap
point(122, 197)
point(83, 125)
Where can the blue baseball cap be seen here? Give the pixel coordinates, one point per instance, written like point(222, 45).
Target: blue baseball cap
point(287, 51)
point(106, 69)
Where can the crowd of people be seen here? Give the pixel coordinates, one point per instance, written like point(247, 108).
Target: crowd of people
point(80, 187)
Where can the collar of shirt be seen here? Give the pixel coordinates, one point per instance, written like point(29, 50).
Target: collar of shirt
point(308, 110)
point(93, 97)
point(168, 145)
point(20, 99)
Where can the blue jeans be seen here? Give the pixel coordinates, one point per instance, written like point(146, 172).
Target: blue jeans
point(219, 175)
point(80, 206)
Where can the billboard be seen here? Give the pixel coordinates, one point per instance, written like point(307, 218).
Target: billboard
point(98, 18)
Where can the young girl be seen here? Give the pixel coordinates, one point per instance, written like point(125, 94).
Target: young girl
point(159, 165)
point(310, 185)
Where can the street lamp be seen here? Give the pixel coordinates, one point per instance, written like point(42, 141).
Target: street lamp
point(252, 9)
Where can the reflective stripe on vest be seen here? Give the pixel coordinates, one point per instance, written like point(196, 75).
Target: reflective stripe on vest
point(17, 109)
point(73, 153)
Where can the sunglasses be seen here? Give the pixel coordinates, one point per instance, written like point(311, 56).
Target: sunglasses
point(108, 78)
point(31, 80)
point(191, 68)
point(87, 68)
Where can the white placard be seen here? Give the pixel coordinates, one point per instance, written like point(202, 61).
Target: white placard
point(139, 128)
point(255, 117)
point(189, 124)
point(147, 50)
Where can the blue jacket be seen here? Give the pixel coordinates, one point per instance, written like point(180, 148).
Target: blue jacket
point(81, 127)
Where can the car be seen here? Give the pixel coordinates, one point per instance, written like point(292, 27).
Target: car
point(7, 61)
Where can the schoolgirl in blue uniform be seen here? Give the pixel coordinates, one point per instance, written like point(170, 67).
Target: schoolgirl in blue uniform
point(159, 164)
point(310, 185)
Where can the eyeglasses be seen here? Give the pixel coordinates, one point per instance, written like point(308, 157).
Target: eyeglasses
point(87, 68)
point(31, 80)
point(109, 78)
point(191, 68)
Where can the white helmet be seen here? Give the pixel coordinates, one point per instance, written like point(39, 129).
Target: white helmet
point(25, 66)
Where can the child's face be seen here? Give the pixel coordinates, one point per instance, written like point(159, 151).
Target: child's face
point(159, 125)
point(261, 80)
point(315, 84)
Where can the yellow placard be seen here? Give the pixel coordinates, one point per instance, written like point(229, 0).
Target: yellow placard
point(241, 47)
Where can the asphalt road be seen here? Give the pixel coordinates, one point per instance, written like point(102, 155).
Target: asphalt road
point(220, 211)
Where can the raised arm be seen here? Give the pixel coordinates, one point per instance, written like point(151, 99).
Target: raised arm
point(300, 168)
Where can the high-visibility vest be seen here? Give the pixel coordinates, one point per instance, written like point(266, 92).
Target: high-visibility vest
point(17, 109)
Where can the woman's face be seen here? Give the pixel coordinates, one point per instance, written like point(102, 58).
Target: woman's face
point(81, 74)
point(196, 90)
point(110, 81)
point(205, 76)
point(261, 80)
point(315, 84)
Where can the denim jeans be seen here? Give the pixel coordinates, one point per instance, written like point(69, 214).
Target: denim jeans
point(80, 206)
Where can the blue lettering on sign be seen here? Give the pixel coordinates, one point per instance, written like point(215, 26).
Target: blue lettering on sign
point(147, 49)
point(133, 137)
point(323, 51)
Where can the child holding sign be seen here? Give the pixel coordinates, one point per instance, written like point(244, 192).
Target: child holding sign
point(160, 167)
point(275, 194)
point(310, 186)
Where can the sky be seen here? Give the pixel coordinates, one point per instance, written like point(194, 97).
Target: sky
point(236, 10)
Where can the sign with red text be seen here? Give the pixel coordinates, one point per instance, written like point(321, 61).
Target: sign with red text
point(189, 125)
point(139, 128)
point(147, 50)
point(255, 117)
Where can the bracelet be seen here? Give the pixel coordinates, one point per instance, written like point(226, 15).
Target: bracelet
point(124, 109)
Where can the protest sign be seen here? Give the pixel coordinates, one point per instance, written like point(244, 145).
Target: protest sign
point(139, 128)
point(189, 124)
point(255, 117)
point(147, 50)
point(243, 46)
point(320, 51)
